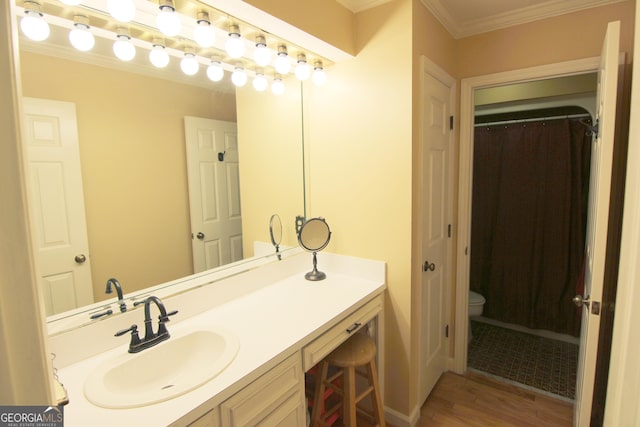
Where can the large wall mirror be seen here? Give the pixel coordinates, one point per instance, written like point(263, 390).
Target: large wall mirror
point(131, 132)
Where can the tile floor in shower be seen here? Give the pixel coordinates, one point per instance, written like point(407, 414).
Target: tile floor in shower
point(538, 362)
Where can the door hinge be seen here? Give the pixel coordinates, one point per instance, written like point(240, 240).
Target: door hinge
point(595, 128)
point(446, 331)
point(450, 122)
point(449, 231)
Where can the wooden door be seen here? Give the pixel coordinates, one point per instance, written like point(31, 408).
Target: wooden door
point(214, 192)
point(57, 204)
point(597, 222)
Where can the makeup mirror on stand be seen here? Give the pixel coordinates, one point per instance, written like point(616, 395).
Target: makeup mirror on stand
point(275, 232)
point(314, 236)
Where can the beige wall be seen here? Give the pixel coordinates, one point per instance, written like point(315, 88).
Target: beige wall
point(271, 173)
point(358, 146)
point(359, 137)
point(133, 164)
point(562, 38)
point(327, 20)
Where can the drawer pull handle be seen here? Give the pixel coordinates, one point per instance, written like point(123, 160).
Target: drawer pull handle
point(353, 327)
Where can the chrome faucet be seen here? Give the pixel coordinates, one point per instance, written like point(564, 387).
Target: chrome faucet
point(116, 284)
point(150, 338)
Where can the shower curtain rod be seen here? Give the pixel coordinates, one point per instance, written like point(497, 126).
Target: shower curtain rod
point(536, 119)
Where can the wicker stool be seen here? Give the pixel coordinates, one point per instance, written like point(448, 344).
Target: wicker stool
point(357, 351)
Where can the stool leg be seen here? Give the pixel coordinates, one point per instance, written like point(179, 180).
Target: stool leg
point(349, 402)
point(378, 409)
point(318, 398)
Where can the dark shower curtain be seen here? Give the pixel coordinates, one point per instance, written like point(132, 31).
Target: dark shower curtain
point(530, 192)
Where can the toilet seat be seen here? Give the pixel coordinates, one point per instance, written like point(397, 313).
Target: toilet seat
point(475, 298)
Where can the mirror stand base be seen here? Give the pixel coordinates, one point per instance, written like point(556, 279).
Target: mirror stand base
point(315, 275)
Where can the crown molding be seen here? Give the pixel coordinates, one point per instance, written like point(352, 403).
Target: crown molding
point(459, 29)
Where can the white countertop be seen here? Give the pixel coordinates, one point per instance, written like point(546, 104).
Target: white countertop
point(272, 320)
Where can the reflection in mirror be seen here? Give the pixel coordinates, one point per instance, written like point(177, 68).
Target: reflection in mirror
point(275, 232)
point(314, 236)
point(131, 141)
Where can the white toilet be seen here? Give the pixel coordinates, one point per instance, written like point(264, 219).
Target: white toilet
point(476, 305)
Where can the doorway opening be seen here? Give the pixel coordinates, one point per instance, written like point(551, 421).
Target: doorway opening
point(531, 161)
point(482, 87)
point(601, 252)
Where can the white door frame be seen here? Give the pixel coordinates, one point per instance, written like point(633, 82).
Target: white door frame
point(431, 68)
point(465, 178)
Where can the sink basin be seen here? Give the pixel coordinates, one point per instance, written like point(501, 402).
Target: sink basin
point(160, 373)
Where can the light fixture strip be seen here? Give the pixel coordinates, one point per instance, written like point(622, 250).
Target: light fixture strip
point(109, 35)
point(146, 12)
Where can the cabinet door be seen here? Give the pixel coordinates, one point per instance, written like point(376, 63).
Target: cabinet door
point(210, 419)
point(289, 414)
point(274, 399)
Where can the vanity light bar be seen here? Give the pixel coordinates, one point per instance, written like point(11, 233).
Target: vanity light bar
point(146, 13)
point(111, 36)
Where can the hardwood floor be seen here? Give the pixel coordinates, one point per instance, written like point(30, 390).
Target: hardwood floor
point(475, 400)
point(479, 401)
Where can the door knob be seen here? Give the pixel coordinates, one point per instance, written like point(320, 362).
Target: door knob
point(80, 258)
point(200, 235)
point(428, 266)
point(579, 301)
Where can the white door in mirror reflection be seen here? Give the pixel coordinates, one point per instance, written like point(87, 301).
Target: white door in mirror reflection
point(57, 204)
point(214, 192)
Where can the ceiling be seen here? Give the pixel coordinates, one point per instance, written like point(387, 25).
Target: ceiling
point(464, 18)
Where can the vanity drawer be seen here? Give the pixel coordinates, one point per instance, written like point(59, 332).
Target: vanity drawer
point(327, 342)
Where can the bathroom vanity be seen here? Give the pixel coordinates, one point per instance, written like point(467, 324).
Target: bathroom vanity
point(282, 324)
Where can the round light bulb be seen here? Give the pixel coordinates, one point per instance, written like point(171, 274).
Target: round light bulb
point(34, 26)
point(303, 71)
point(189, 64)
point(159, 56)
point(123, 48)
point(215, 71)
point(234, 45)
point(282, 64)
point(71, 2)
point(168, 21)
point(81, 38)
point(319, 77)
point(260, 82)
point(239, 77)
point(122, 10)
point(277, 87)
point(262, 54)
point(204, 34)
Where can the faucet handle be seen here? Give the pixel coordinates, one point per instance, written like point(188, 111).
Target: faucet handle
point(133, 329)
point(165, 318)
point(162, 319)
point(135, 338)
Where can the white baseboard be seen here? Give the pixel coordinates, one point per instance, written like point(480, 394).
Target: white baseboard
point(400, 420)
